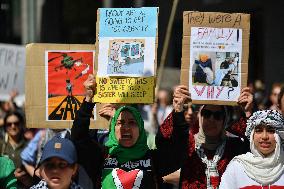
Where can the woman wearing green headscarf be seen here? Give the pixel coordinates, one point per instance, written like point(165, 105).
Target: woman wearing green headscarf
point(125, 161)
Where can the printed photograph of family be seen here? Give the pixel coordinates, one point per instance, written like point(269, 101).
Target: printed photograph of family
point(216, 69)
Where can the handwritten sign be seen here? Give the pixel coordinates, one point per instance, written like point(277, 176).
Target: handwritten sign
point(128, 22)
point(200, 18)
point(125, 37)
point(215, 56)
point(125, 90)
point(12, 66)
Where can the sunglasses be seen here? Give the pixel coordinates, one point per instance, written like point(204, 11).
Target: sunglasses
point(218, 115)
point(9, 124)
point(61, 165)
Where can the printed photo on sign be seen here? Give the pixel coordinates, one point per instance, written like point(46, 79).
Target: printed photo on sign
point(126, 56)
point(66, 72)
point(215, 69)
point(125, 35)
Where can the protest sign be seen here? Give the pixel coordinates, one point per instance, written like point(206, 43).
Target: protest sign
point(215, 56)
point(66, 73)
point(124, 37)
point(54, 83)
point(12, 66)
point(127, 90)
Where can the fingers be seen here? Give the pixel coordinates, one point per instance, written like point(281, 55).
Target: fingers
point(181, 89)
point(245, 93)
point(245, 100)
point(180, 97)
point(90, 82)
point(245, 89)
point(19, 173)
point(181, 93)
point(107, 111)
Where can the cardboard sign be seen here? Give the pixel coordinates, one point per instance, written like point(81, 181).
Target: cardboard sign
point(127, 47)
point(215, 56)
point(127, 90)
point(12, 75)
point(54, 84)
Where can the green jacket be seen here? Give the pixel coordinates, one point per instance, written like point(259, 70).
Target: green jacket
point(7, 177)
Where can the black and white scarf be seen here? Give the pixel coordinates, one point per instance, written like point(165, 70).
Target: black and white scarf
point(212, 174)
point(43, 185)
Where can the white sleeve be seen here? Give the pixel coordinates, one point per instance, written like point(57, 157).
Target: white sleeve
point(228, 180)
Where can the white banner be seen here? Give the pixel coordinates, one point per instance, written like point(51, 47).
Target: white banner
point(12, 74)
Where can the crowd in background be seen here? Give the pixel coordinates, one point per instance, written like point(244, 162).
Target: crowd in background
point(24, 146)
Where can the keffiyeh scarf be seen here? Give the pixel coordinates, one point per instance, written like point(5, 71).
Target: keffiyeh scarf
point(43, 185)
point(267, 117)
point(264, 170)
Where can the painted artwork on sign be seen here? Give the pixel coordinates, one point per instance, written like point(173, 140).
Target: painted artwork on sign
point(65, 73)
point(215, 56)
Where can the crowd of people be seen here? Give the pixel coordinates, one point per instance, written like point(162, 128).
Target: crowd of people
point(169, 144)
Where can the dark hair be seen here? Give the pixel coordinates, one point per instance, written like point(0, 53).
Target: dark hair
point(19, 116)
point(280, 96)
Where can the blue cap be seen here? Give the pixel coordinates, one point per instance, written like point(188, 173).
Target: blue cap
point(59, 147)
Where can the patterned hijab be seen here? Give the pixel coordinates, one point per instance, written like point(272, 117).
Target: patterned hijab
point(139, 149)
point(264, 170)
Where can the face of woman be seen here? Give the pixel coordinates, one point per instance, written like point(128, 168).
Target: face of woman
point(126, 129)
point(188, 114)
point(57, 173)
point(13, 126)
point(264, 140)
point(212, 120)
point(274, 94)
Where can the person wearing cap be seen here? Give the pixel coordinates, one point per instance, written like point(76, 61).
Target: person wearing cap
point(207, 150)
point(263, 167)
point(7, 177)
point(125, 161)
point(58, 165)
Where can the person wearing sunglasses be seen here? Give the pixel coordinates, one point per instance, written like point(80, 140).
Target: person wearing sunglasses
point(263, 166)
point(207, 150)
point(14, 141)
point(58, 165)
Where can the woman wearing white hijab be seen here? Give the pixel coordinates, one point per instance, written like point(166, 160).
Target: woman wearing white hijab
point(263, 167)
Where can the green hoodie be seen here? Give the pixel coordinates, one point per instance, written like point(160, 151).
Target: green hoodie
point(7, 177)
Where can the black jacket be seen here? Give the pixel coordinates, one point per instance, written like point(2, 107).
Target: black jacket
point(91, 155)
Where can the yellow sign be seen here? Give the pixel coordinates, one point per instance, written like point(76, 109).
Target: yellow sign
point(125, 90)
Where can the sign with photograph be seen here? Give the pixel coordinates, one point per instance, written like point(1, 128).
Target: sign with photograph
point(124, 37)
point(215, 56)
